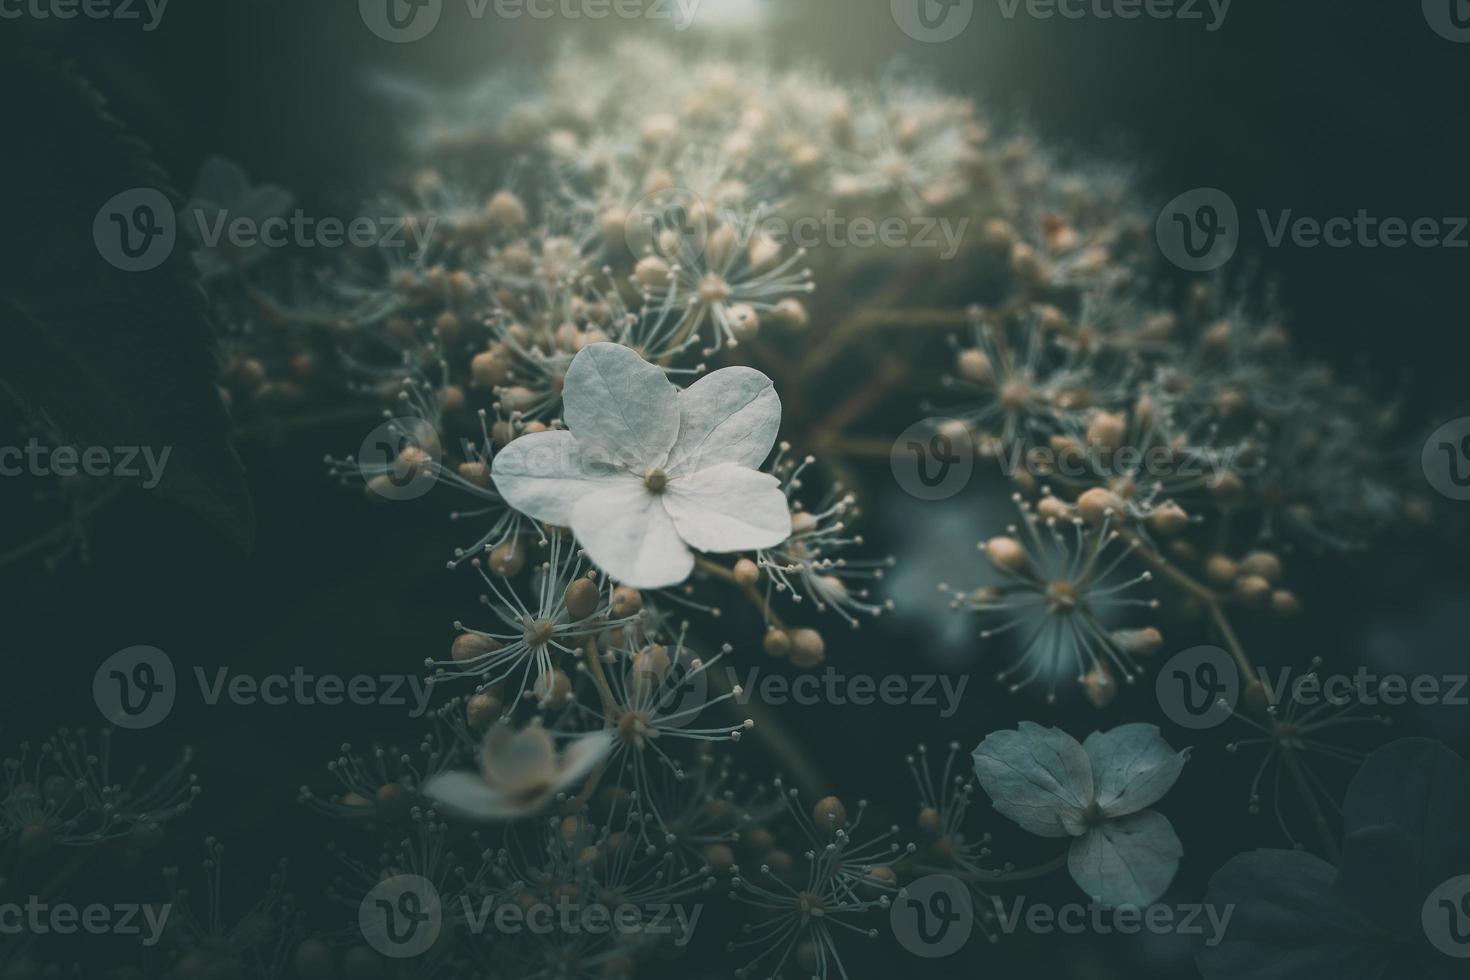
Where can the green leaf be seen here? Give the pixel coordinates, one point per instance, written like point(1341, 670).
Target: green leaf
point(115, 358)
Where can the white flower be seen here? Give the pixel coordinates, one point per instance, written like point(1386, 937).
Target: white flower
point(649, 471)
point(520, 771)
point(1095, 793)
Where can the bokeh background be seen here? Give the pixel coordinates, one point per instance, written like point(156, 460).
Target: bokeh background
point(1318, 106)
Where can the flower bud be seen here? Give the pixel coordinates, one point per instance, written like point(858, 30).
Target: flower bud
point(1007, 554)
point(625, 602)
point(747, 572)
point(777, 643)
point(1097, 504)
point(1262, 563)
point(1168, 518)
point(468, 646)
point(807, 648)
point(829, 814)
point(508, 558)
point(1221, 569)
point(582, 598)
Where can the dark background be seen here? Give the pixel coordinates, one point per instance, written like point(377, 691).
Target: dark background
point(1317, 106)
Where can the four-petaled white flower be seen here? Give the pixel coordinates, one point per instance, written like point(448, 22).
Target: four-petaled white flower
point(649, 471)
point(1095, 793)
point(520, 772)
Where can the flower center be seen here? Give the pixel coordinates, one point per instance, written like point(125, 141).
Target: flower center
point(1061, 596)
point(657, 481)
point(538, 632)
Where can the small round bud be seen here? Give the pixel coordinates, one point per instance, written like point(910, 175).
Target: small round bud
point(974, 365)
point(777, 643)
point(508, 558)
point(930, 822)
point(747, 572)
point(482, 709)
point(743, 321)
point(1106, 430)
point(475, 472)
point(807, 648)
point(625, 602)
point(490, 368)
point(1054, 508)
point(829, 814)
point(1007, 554)
point(506, 211)
point(1168, 518)
point(1097, 505)
point(1284, 603)
point(1252, 589)
point(1099, 686)
point(652, 273)
point(791, 313)
point(1221, 569)
point(553, 689)
point(1144, 642)
point(582, 598)
point(468, 646)
point(1263, 563)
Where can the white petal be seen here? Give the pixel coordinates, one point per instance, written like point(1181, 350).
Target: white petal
point(582, 756)
point(624, 530)
point(1039, 777)
point(729, 508)
point(1132, 766)
point(518, 762)
point(467, 795)
point(622, 409)
point(1128, 861)
point(544, 474)
point(730, 416)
